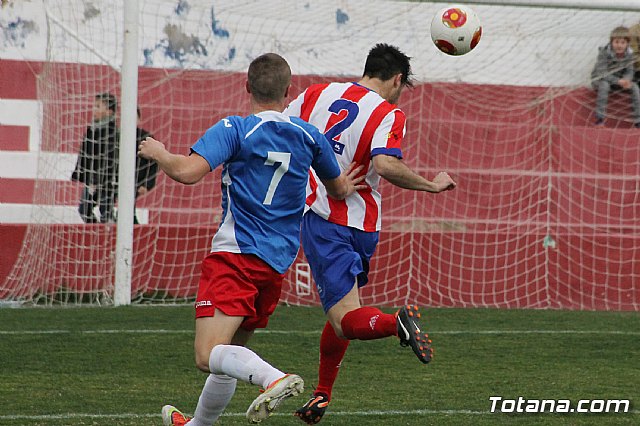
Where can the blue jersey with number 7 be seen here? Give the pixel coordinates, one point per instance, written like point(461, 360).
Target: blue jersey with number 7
point(266, 159)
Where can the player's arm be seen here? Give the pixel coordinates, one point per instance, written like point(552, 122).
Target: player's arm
point(396, 172)
point(181, 168)
point(345, 184)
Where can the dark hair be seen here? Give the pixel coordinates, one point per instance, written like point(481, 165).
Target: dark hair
point(269, 76)
point(109, 100)
point(384, 61)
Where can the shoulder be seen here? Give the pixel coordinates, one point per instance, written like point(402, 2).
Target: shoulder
point(299, 122)
point(604, 50)
point(232, 123)
point(319, 87)
point(227, 130)
point(316, 89)
point(306, 127)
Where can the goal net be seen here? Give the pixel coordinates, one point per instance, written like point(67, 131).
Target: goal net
point(546, 210)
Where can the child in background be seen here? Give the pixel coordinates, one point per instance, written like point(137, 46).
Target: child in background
point(614, 71)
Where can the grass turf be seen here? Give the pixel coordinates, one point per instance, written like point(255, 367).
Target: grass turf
point(118, 366)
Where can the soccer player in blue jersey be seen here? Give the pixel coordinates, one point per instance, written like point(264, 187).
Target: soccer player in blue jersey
point(265, 160)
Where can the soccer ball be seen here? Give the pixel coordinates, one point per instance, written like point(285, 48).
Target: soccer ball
point(456, 30)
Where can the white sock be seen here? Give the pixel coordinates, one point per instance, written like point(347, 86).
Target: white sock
point(216, 394)
point(243, 364)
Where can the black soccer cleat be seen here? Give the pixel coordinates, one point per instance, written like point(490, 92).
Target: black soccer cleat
point(312, 412)
point(410, 334)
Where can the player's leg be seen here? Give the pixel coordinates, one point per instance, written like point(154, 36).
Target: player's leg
point(367, 323)
point(230, 362)
point(87, 204)
point(237, 361)
point(218, 389)
point(277, 385)
point(220, 290)
point(352, 321)
point(334, 266)
point(211, 331)
point(106, 202)
point(339, 260)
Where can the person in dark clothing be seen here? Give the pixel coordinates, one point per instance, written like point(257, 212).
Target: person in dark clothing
point(97, 162)
point(146, 170)
point(614, 71)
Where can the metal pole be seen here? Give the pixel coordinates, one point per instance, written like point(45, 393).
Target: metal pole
point(612, 5)
point(127, 159)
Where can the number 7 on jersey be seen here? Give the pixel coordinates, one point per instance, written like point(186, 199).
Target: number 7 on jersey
point(284, 158)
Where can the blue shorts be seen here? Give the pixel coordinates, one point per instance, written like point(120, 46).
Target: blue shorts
point(337, 256)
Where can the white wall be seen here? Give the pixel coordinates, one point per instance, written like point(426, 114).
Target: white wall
point(522, 46)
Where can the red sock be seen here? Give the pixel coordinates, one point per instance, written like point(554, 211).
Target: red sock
point(332, 350)
point(368, 323)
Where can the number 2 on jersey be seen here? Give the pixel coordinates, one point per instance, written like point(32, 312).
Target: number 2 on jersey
point(284, 158)
point(333, 134)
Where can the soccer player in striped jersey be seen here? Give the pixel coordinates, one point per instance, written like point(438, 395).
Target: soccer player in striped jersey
point(265, 160)
point(366, 127)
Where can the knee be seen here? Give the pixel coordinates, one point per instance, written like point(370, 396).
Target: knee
point(337, 327)
point(202, 355)
point(335, 319)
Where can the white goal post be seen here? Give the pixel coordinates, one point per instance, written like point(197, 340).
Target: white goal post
point(127, 155)
point(620, 5)
point(543, 215)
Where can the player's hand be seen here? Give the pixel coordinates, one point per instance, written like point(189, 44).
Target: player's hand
point(625, 84)
point(150, 149)
point(352, 178)
point(142, 190)
point(444, 182)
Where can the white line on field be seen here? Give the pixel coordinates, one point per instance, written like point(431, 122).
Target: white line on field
point(282, 414)
point(317, 332)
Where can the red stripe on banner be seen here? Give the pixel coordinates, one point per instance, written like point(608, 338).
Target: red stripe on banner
point(310, 98)
point(19, 79)
point(14, 138)
point(49, 192)
point(19, 191)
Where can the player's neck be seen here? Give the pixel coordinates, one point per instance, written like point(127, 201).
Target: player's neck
point(257, 107)
point(376, 85)
point(370, 83)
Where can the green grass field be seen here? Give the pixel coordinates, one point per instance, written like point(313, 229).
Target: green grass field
point(118, 366)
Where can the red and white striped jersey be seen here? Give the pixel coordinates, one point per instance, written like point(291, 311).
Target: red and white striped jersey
point(359, 124)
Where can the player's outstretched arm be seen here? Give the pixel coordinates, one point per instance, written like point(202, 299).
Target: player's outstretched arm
point(181, 168)
point(346, 184)
point(395, 171)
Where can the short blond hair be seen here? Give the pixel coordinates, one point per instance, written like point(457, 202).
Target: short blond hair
point(621, 32)
point(269, 77)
